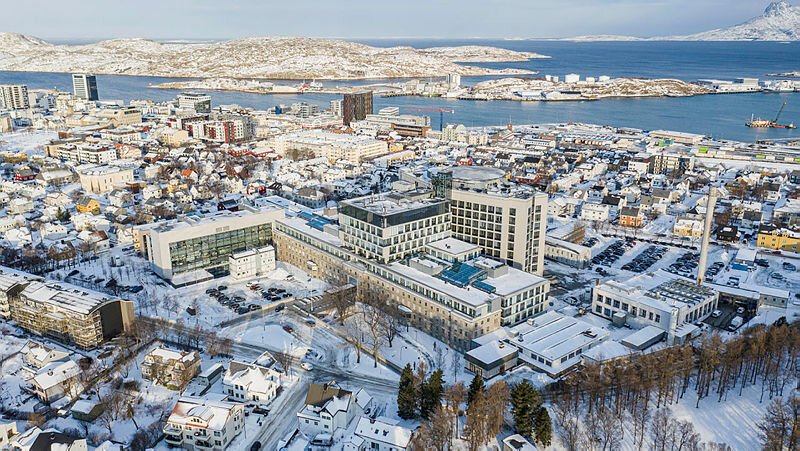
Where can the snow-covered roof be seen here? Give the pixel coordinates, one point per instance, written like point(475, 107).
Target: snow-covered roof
point(553, 335)
point(63, 295)
point(55, 373)
point(213, 413)
point(383, 430)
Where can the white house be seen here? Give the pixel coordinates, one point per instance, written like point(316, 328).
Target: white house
point(203, 424)
point(38, 356)
point(56, 380)
point(248, 382)
point(330, 409)
point(596, 212)
point(381, 434)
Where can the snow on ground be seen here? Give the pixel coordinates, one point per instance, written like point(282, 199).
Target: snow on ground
point(30, 142)
point(159, 299)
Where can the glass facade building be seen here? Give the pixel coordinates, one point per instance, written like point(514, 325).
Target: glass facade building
point(211, 252)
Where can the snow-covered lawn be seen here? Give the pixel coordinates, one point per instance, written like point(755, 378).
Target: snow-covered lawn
point(30, 142)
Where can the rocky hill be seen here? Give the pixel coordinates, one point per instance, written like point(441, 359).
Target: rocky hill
point(272, 57)
point(780, 22)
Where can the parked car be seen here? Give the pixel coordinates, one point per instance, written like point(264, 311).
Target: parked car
point(740, 310)
point(280, 307)
point(256, 445)
point(716, 314)
point(288, 328)
point(306, 366)
point(788, 266)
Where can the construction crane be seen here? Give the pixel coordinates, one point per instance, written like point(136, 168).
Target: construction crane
point(780, 111)
point(441, 112)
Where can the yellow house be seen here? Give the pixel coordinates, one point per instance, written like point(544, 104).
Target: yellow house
point(87, 205)
point(771, 237)
point(692, 228)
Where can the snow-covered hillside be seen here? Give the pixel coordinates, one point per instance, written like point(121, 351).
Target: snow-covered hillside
point(780, 22)
point(272, 57)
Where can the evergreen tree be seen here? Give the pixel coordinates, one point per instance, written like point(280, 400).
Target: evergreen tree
point(406, 395)
point(431, 394)
point(475, 388)
point(543, 431)
point(525, 402)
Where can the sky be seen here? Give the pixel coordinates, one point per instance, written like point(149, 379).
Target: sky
point(224, 19)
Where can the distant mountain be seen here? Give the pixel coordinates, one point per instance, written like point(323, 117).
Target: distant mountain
point(269, 57)
point(780, 22)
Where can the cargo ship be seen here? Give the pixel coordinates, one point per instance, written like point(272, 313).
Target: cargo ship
point(763, 123)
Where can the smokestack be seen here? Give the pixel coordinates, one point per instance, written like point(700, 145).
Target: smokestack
point(710, 204)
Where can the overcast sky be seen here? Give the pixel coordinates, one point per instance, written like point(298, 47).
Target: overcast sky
point(199, 19)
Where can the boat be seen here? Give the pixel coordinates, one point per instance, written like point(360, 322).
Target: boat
point(763, 123)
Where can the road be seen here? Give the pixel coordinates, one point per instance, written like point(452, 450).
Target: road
point(327, 345)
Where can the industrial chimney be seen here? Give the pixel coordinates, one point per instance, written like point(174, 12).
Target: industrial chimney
point(710, 204)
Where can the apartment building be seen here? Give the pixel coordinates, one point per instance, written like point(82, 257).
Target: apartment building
point(198, 424)
point(658, 299)
point(507, 220)
point(83, 152)
point(193, 249)
point(251, 383)
point(330, 145)
point(786, 239)
point(11, 283)
point(14, 97)
point(389, 227)
point(172, 369)
point(64, 312)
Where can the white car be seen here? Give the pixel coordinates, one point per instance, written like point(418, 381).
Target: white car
point(306, 366)
point(716, 314)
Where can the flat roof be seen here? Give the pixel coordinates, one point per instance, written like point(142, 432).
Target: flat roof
point(475, 173)
point(66, 296)
point(10, 277)
point(453, 246)
point(392, 203)
point(553, 335)
point(215, 219)
point(643, 335)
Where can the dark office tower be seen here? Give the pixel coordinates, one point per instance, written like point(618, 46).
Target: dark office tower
point(84, 86)
point(356, 106)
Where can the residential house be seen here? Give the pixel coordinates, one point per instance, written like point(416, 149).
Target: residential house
point(631, 217)
point(381, 434)
point(56, 380)
point(88, 205)
point(38, 355)
point(35, 439)
point(248, 382)
point(172, 369)
point(329, 409)
point(8, 432)
point(199, 424)
point(688, 227)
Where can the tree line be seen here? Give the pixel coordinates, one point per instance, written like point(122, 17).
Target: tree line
point(592, 404)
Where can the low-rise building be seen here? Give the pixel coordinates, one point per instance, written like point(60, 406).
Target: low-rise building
point(329, 409)
point(35, 439)
point(571, 254)
point(785, 239)
point(251, 383)
point(655, 299)
point(252, 263)
point(56, 380)
point(382, 434)
point(173, 369)
point(198, 424)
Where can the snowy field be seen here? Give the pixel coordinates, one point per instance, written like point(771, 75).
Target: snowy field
point(30, 142)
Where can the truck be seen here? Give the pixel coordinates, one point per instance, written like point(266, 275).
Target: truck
point(736, 323)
